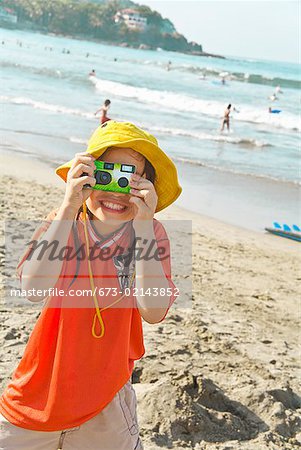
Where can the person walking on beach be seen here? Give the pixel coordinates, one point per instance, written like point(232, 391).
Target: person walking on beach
point(226, 118)
point(104, 109)
point(72, 388)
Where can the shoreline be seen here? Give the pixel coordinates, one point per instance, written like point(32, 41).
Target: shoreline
point(39, 171)
point(110, 43)
point(211, 204)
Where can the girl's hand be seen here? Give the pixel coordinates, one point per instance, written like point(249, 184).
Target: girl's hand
point(75, 194)
point(144, 197)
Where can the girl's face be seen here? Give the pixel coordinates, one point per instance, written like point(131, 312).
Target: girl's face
point(114, 207)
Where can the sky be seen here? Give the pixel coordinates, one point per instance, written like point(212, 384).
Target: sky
point(263, 29)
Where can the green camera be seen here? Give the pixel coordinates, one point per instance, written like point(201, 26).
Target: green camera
point(113, 177)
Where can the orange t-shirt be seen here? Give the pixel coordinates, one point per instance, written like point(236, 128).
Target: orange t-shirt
point(66, 375)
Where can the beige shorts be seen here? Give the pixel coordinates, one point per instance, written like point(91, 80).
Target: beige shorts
point(115, 427)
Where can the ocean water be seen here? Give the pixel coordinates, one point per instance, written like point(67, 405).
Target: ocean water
point(249, 176)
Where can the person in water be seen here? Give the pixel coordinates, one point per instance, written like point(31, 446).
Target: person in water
point(273, 97)
point(104, 109)
point(92, 73)
point(278, 90)
point(226, 118)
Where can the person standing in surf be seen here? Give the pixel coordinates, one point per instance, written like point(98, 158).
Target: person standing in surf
point(226, 118)
point(104, 109)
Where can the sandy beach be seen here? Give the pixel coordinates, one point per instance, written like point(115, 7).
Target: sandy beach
point(222, 374)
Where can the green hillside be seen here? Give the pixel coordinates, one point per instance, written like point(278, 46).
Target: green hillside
point(95, 19)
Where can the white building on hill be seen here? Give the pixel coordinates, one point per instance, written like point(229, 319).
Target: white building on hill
point(131, 18)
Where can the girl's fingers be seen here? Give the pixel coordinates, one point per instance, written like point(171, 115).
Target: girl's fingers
point(139, 203)
point(85, 154)
point(83, 158)
point(149, 198)
point(81, 168)
point(137, 193)
point(145, 204)
point(81, 181)
point(141, 183)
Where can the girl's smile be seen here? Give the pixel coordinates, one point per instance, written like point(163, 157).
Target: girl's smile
point(113, 206)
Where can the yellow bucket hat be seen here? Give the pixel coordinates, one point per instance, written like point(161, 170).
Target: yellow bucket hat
point(123, 135)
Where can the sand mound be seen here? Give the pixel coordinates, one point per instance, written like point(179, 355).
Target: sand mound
point(186, 411)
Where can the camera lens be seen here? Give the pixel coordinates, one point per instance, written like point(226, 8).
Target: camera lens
point(102, 177)
point(123, 182)
point(108, 166)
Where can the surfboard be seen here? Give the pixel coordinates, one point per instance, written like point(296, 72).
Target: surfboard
point(285, 231)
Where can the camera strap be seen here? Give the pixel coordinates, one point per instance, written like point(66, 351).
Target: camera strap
point(98, 310)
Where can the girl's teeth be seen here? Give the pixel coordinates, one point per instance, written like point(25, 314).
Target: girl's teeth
point(113, 206)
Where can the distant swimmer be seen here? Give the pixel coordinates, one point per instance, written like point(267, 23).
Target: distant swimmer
point(203, 75)
point(168, 67)
point(226, 118)
point(92, 73)
point(104, 109)
point(223, 76)
point(273, 97)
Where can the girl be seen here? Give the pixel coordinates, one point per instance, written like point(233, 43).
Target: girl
point(72, 388)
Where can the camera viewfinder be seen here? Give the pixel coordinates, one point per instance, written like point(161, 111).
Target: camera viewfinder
point(127, 168)
point(108, 166)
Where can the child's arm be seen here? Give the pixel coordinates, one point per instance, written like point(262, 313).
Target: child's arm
point(150, 273)
point(40, 270)
point(153, 272)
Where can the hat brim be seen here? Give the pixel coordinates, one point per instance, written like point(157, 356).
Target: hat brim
point(166, 182)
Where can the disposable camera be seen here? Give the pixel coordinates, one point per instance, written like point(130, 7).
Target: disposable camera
point(113, 177)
